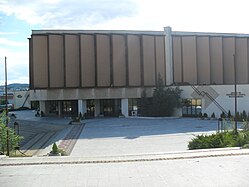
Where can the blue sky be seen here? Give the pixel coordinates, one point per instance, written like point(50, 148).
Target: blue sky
point(19, 17)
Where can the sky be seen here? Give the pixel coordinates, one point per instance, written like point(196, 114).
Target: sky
point(19, 17)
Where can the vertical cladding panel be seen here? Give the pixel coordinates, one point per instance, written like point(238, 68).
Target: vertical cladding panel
point(203, 60)
point(134, 60)
point(228, 59)
point(149, 60)
point(216, 60)
point(103, 60)
point(160, 58)
point(72, 60)
point(241, 60)
point(189, 59)
point(177, 59)
point(88, 61)
point(119, 67)
point(40, 61)
point(56, 61)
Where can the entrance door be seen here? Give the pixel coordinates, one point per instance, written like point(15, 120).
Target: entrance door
point(70, 108)
point(110, 107)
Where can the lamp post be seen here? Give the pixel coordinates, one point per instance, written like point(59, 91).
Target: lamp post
point(235, 93)
point(6, 107)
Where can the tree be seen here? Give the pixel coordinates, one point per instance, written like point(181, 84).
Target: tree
point(14, 139)
point(164, 101)
point(145, 104)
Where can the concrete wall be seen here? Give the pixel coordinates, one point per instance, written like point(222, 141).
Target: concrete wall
point(222, 94)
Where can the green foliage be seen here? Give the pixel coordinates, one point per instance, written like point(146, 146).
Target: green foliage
point(244, 115)
point(55, 149)
point(163, 102)
point(213, 115)
point(14, 139)
point(145, 104)
point(219, 140)
point(229, 114)
point(222, 115)
point(205, 115)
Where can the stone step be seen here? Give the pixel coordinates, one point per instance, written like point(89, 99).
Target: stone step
point(31, 142)
point(43, 141)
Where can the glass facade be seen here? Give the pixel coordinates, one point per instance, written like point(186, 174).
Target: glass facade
point(191, 107)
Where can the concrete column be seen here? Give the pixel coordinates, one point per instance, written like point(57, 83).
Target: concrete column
point(169, 55)
point(42, 105)
point(96, 107)
point(82, 106)
point(60, 108)
point(125, 107)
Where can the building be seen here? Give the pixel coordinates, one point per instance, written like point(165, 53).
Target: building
point(103, 73)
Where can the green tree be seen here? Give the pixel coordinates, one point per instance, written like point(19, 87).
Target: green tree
point(145, 104)
point(14, 139)
point(164, 101)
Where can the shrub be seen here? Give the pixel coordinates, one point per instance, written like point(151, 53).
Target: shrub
point(219, 140)
point(213, 115)
point(205, 115)
point(55, 149)
point(222, 115)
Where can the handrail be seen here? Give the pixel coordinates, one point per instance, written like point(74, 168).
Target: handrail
point(203, 93)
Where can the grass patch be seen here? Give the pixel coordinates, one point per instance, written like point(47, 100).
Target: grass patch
point(220, 140)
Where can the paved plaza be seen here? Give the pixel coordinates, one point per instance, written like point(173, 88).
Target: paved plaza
point(128, 136)
point(129, 152)
point(213, 171)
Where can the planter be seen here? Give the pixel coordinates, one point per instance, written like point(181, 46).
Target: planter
point(54, 154)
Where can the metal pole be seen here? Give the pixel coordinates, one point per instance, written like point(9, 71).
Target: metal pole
point(6, 105)
point(235, 93)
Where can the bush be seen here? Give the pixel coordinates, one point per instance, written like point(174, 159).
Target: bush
point(213, 115)
point(220, 140)
point(205, 115)
point(55, 149)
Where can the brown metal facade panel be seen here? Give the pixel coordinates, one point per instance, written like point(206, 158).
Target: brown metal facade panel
point(56, 59)
point(177, 59)
point(241, 60)
point(72, 60)
point(203, 60)
point(216, 60)
point(133, 44)
point(40, 61)
point(87, 61)
point(189, 59)
point(149, 60)
point(31, 77)
point(228, 59)
point(160, 57)
point(103, 60)
point(119, 66)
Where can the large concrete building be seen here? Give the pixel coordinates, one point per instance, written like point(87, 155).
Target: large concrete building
point(103, 73)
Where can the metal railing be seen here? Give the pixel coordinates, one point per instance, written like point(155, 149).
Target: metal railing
point(203, 93)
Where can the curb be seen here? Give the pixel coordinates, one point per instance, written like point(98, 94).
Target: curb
point(123, 160)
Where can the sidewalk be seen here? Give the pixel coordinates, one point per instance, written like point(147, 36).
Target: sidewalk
point(191, 154)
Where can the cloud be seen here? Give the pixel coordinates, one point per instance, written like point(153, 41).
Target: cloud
point(7, 42)
point(17, 64)
point(68, 14)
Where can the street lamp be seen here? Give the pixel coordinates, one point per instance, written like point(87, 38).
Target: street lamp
point(6, 107)
point(235, 93)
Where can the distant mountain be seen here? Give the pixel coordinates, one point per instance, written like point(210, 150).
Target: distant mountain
point(15, 86)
